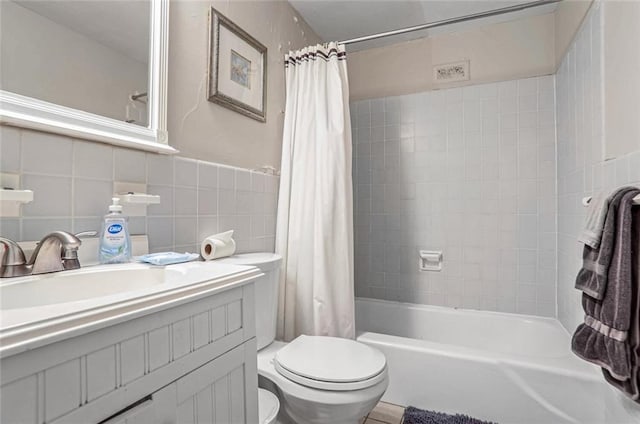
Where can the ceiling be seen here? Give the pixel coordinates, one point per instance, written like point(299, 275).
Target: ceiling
point(337, 20)
point(121, 25)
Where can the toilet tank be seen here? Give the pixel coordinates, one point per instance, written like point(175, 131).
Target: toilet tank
point(266, 292)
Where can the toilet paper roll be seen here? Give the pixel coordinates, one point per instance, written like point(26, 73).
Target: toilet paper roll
point(218, 246)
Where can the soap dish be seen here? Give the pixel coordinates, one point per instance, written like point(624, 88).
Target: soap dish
point(139, 198)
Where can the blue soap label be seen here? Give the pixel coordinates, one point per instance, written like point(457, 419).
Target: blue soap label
point(115, 228)
point(114, 236)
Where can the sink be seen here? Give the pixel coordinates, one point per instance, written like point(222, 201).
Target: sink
point(84, 284)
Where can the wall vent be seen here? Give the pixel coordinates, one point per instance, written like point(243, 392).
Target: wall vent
point(450, 72)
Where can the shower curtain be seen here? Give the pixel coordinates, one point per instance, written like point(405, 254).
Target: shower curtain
point(314, 231)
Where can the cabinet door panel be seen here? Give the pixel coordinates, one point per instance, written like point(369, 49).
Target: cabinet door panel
point(237, 388)
point(219, 391)
point(185, 413)
point(204, 405)
point(221, 400)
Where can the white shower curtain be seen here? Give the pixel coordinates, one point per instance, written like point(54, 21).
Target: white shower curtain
point(314, 231)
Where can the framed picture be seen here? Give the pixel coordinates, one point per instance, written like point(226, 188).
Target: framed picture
point(237, 68)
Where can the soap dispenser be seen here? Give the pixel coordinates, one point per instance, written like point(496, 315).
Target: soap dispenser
point(115, 242)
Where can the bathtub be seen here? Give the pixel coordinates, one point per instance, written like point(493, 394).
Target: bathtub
point(494, 366)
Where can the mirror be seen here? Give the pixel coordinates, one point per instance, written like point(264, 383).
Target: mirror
point(90, 69)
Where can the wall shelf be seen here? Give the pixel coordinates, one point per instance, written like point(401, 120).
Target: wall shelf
point(18, 196)
point(134, 197)
point(11, 197)
point(139, 198)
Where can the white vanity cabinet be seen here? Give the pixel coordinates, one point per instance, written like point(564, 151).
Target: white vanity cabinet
point(194, 361)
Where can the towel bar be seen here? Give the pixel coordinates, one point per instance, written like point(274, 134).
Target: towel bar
point(586, 200)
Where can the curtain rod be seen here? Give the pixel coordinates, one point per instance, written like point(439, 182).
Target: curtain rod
point(444, 22)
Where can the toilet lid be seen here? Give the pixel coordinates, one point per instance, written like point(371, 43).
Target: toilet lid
point(268, 407)
point(331, 363)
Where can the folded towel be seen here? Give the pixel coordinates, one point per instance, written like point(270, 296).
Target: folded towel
point(603, 339)
point(594, 222)
point(592, 278)
point(167, 258)
point(631, 386)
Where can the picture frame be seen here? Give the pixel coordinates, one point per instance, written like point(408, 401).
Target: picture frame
point(237, 76)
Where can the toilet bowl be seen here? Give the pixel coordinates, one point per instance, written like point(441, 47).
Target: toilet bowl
point(268, 407)
point(317, 379)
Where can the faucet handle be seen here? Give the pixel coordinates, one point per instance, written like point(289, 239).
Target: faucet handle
point(13, 254)
point(86, 234)
point(69, 244)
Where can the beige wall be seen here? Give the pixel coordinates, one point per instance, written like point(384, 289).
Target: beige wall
point(392, 70)
point(204, 130)
point(621, 77)
point(568, 16)
point(496, 52)
point(48, 61)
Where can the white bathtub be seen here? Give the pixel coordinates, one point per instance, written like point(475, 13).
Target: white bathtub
point(501, 367)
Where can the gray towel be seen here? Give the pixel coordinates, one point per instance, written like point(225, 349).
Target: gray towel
point(594, 222)
point(592, 278)
point(604, 337)
point(631, 386)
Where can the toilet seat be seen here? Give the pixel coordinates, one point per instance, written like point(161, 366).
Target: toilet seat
point(330, 363)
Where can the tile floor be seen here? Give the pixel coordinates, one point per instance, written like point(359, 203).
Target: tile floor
point(385, 413)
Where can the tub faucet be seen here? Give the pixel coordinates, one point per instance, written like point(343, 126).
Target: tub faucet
point(57, 251)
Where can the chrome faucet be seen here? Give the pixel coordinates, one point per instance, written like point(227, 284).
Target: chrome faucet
point(57, 251)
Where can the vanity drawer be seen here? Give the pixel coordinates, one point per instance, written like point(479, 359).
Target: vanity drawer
point(89, 377)
point(221, 391)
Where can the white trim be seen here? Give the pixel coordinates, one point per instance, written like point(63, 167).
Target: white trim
point(27, 112)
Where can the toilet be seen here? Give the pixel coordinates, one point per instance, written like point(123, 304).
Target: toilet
point(268, 407)
point(315, 379)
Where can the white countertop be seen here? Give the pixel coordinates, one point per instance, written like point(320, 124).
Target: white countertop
point(32, 322)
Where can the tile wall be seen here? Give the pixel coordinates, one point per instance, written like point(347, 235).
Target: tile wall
point(581, 169)
point(73, 181)
point(469, 171)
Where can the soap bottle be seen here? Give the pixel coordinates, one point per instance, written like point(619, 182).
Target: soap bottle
point(115, 243)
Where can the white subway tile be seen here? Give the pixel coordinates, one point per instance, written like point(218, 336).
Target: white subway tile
point(165, 207)
point(52, 196)
point(91, 197)
point(185, 231)
point(527, 86)
point(185, 172)
point(206, 226)
point(44, 153)
point(129, 165)
point(226, 202)
point(92, 160)
point(9, 149)
point(33, 229)
point(10, 228)
point(185, 201)
point(159, 169)
point(207, 201)
point(160, 233)
point(243, 180)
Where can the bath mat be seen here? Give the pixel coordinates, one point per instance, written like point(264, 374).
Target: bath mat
point(420, 416)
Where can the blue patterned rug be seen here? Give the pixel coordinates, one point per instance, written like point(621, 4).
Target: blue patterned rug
point(420, 416)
